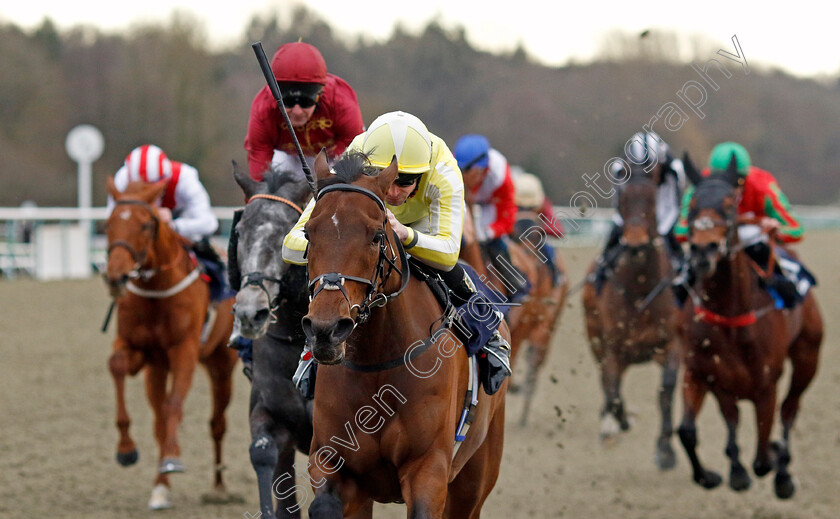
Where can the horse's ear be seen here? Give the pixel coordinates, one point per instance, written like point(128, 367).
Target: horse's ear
point(690, 171)
point(249, 185)
point(388, 175)
point(112, 188)
point(322, 166)
point(731, 174)
point(156, 190)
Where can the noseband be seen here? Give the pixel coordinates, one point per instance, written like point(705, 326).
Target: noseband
point(373, 297)
point(138, 257)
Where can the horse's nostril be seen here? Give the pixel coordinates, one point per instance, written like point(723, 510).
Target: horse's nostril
point(261, 315)
point(306, 324)
point(342, 329)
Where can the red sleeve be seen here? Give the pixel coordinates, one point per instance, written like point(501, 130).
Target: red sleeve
point(347, 116)
point(262, 133)
point(547, 210)
point(503, 197)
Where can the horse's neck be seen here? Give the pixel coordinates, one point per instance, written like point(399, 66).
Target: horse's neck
point(730, 289)
point(646, 271)
point(168, 247)
point(389, 332)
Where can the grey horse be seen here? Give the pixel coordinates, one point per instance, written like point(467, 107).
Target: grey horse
point(271, 301)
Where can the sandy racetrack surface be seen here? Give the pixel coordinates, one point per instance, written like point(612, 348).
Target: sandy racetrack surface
point(58, 439)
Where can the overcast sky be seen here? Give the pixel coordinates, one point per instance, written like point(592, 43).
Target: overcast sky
point(803, 42)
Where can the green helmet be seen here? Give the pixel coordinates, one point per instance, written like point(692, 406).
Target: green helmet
point(722, 154)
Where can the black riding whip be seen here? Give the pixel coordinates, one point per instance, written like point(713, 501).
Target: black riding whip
point(275, 91)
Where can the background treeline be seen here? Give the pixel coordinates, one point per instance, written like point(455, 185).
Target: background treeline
point(163, 84)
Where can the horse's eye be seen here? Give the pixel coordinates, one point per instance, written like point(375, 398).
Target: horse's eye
point(378, 237)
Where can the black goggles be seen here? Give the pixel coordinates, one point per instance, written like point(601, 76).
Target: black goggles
point(404, 180)
point(290, 101)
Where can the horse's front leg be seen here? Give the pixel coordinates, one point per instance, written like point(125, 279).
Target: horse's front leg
point(156, 374)
point(738, 478)
point(664, 454)
point(693, 393)
point(765, 408)
point(336, 497)
point(424, 484)
point(614, 415)
point(121, 363)
point(182, 362)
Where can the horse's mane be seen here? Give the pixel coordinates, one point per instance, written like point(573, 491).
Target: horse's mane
point(349, 168)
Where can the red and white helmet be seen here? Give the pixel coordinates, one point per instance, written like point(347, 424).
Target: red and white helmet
point(148, 163)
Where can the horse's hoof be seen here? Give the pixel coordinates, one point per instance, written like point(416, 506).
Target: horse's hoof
point(762, 468)
point(784, 486)
point(708, 480)
point(739, 480)
point(160, 498)
point(169, 465)
point(126, 459)
point(664, 456)
point(610, 428)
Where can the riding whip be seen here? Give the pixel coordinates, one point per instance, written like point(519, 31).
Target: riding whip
point(275, 91)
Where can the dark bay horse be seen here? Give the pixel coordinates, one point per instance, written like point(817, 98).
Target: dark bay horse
point(634, 319)
point(391, 383)
point(270, 304)
point(161, 309)
point(532, 325)
point(738, 341)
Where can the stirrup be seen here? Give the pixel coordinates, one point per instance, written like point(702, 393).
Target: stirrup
point(494, 363)
point(304, 377)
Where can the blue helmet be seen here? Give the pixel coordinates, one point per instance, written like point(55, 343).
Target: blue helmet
point(471, 151)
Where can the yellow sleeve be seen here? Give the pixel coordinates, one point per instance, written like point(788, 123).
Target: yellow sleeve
point(295, 243)
point(441, 245)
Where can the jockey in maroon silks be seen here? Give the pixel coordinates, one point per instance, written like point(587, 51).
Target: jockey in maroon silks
point(322, 108)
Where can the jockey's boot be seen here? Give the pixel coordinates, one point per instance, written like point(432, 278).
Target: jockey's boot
point(304, 377)
point(494, 363)
point(605, 262)
point(682, 282)
point(214, 268)
point(785, 288)
point(494, 355)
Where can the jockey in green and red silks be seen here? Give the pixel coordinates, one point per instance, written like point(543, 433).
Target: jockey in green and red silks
point(762, 199)
point(761, 195)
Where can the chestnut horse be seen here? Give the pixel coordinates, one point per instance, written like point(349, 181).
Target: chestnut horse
point(270, 304)
point(534, 322)
point(161, 309)
point(635, 319)
point(738, 341)
point(391, 384)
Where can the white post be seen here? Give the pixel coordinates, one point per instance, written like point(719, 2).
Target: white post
point(85, 144)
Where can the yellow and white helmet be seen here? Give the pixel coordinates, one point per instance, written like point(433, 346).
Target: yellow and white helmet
point(402, 135)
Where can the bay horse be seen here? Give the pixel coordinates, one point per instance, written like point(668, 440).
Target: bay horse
point(391, 382)
point(161, 309)
point(270, 304)
point(532, 324)
point(737, 340)
point(635, 319)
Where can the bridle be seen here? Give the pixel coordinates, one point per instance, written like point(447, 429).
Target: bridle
point(139, 257)
point(726, 220)
point(258, 279)
point(374, 297)
point(727, 248)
